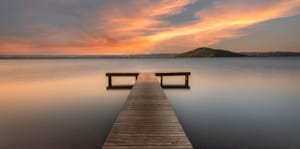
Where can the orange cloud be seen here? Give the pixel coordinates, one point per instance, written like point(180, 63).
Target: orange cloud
point(140, 27)
point(223, 21)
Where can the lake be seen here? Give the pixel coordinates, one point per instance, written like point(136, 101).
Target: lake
point(233, 103)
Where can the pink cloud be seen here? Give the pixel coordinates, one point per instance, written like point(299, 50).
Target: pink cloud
point(138, 27)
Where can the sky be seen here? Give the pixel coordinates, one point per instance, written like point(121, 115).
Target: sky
point(147, 26)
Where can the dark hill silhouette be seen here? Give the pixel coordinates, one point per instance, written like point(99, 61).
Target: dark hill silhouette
point(200, 52)
point(209, 52)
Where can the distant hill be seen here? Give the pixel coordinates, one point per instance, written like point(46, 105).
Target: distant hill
point(209, 52)
point(200, 52)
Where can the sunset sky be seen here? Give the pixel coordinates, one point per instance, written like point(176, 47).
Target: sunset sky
point(147, 26)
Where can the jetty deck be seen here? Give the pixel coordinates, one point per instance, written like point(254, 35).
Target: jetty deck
point(147, 120)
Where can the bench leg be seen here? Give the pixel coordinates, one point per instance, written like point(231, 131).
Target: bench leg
point(186, 81)
point(109, 81)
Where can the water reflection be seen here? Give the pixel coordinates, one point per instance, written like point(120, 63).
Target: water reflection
point(232, 103)
point(45, 107)
point(254, 106)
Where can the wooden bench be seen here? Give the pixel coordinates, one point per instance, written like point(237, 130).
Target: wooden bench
point(160, 74)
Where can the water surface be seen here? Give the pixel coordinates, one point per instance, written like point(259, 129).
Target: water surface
point(233, 102)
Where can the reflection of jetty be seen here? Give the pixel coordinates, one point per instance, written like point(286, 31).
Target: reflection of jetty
point(147, 120)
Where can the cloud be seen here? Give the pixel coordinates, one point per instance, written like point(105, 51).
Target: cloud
point(223, 21)
point(136, 26)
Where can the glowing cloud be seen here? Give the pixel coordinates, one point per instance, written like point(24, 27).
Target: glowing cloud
point(141, 26)
point(223, 22)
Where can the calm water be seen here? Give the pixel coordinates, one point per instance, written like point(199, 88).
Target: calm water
point(233, 103)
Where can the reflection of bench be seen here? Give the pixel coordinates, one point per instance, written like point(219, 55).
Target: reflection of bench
point(160, 74)
point(110, 75)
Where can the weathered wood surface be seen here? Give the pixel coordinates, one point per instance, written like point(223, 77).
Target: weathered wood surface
point(147, 120)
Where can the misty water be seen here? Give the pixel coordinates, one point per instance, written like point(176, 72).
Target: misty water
point(233, 103)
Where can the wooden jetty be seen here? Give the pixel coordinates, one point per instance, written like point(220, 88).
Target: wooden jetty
point(147, 120)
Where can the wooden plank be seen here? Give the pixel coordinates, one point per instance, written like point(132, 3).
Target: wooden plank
point(147, 120)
